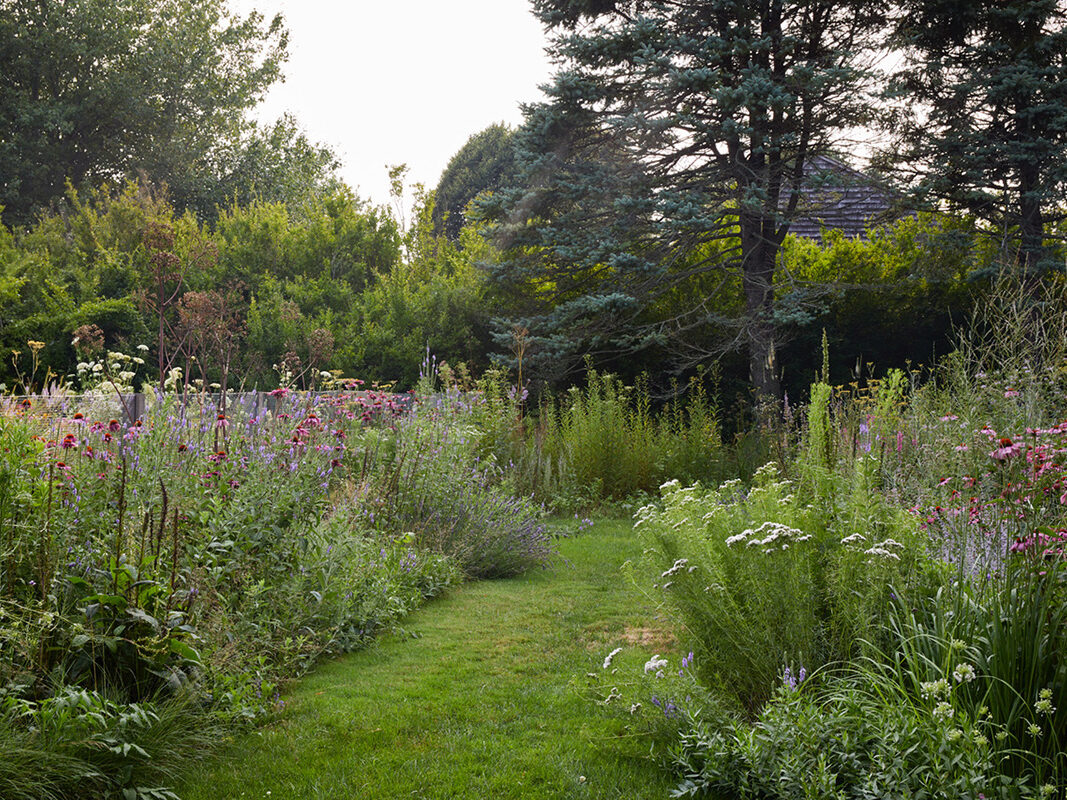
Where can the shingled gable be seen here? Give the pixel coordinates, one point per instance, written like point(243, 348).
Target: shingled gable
point(840, 198)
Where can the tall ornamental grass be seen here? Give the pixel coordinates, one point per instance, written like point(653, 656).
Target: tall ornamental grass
point(604, 441)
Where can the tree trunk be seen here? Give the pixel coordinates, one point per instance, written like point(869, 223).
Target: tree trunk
point(759, 255)
point(1031, 223)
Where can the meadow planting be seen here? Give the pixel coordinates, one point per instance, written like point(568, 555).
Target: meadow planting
point(865, 593)
point(163, 576)
point(883, 613)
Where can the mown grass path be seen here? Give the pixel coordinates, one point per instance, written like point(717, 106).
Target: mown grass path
point(478, 700)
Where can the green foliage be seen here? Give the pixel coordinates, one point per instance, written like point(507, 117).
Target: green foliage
point(142, 561)
point(990, 137)
point(946, 672)
point(486, 163)
point(433, 306)
point(916, 275)
point(94, 90)
point(1009, 633)
point(780, 576)
point(275, 163)
point(628, 168)
point(600, 443)
point(843, 738)
point(431, 486)
point(80, 742)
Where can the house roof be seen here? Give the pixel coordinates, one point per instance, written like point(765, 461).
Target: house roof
point(841, 198)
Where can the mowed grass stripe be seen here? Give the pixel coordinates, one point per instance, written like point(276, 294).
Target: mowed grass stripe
point(477, 700)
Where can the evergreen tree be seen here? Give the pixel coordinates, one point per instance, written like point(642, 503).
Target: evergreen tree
point(984, 114)
point(672, 150)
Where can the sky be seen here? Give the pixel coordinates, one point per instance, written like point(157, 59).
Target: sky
point(407, 81)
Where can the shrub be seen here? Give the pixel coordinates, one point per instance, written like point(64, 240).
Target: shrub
point(763, 579)
point(430, 485)
point(853, 737)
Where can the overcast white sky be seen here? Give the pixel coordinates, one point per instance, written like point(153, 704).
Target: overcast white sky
point(407, 81)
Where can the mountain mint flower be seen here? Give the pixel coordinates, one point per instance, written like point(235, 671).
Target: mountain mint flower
point(932, 690)
point(943, 711)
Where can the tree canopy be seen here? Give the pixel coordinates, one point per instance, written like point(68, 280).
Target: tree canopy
point(671, 155)
point(95, 90)
point(486, 163)
point(983, 112)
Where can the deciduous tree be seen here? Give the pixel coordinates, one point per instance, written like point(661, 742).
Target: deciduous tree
point(93, 90)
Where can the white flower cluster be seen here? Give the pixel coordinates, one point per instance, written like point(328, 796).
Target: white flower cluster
point(112, 370)
point(670, 487)
point(645, 514)
point(611, 656)
point(934, 689)
point(943, 711)
point(964, 673)
point(770, 536)
point(655, 664)
point(679, 565)
point(885, 550)
point(1044, 703)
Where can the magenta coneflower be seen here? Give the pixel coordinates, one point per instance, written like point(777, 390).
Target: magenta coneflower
point(1007, 449)
point(113, 425)
point(69, 441)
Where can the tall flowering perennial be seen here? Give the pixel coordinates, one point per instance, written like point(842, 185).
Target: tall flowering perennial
point(1016, 506)
point(132, 549)
point(767, 576)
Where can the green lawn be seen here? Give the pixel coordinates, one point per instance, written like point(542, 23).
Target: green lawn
point(480, 699)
